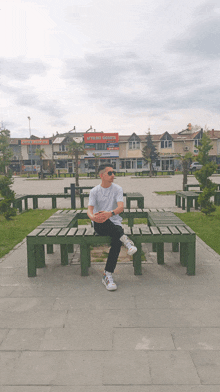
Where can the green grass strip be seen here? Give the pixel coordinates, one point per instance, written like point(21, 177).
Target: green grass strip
point(206, 227)
point(15, 230)
point(162, 193)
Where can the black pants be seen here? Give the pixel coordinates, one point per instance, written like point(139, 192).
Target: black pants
point(108, 228)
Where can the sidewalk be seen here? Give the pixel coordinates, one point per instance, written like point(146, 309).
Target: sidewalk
point(159, 332)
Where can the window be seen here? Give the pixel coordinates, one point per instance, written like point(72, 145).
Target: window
point(63, 147)
point(134, 145)
point(128, 164)
point(166, 144)
point(122, 164)
point(100, 146)
point(197, 142)
point(139, 163)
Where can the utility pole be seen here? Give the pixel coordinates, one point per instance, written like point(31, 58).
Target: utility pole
point(30, 144)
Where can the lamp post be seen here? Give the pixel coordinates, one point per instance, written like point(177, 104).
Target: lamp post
point(30, 144)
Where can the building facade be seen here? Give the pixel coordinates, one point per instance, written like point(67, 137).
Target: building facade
point(124, 152)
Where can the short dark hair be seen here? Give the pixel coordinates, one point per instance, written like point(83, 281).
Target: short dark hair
point(104, 165)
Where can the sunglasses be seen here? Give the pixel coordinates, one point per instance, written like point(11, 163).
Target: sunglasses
point(111, 172)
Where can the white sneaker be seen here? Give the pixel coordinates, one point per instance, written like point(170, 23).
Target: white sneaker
point(129, 244)
point(107, 280)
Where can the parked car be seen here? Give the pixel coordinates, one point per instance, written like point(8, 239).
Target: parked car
point(195, 166)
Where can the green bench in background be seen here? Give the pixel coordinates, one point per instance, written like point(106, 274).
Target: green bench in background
point(186, 198)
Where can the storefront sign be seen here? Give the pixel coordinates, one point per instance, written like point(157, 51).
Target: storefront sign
point(112, 146)
point(96, 137)
point(35, 141)
point(90, 146)
point(104, 154)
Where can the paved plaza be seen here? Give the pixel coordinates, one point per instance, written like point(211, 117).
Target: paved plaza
point(159, 332)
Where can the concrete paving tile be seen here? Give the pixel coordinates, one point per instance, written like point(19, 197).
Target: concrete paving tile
point(207, 364)
point(6, 291)
point(182, 317)
point(109, 317)
point(25, 304)
point(142, 339)
point(8, 361)
point(121, 368)
point(80, 368)
point(135, 388)
point(171, 367)
point(23, 339)
point(106, 301)
point(23, 388)
point(196, 338)
point(33, 368)
point(74, 338)
point(33, 319)
point(3, 334)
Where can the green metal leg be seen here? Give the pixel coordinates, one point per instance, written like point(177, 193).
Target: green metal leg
point(183, 203)
point(40, 256)
point(64, 254)
point(84, 260)
point(137, 261)
point(26, 204)
point(191, 264)
point(175, 247)
point(196, 204)
point(140, 203)
point(160, 253)
point(154, 247)
point(71, 248)
point(54, 202)
point(183, 254)
point(20, 205)
point(49, 249)
point(35, 203)
point(82, 201)
point(31, 261)
point(130, 222)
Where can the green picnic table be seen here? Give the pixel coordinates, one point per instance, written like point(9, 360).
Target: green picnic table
point(188, 197)
point(134, 196)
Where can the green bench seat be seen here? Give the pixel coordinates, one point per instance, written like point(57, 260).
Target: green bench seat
point(85, 236)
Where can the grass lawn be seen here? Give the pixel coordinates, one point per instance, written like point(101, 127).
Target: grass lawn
point(15, 230)
point(162, 193)
point(206, 227)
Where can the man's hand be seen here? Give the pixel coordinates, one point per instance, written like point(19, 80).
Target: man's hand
point(101, 216)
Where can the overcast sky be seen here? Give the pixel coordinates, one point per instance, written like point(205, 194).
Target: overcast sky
point(119, 65)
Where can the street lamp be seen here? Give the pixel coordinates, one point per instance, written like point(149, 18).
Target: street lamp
point(30, 144)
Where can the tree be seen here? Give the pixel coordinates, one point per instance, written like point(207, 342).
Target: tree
point(149, 152)
point(40, 152)
point(185, 160)
point(8, 197)
point(5, 151)
point(96, 156)
point(75, 150)
point(207, 186)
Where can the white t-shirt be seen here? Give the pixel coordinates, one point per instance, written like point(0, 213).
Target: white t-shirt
point(106, 199)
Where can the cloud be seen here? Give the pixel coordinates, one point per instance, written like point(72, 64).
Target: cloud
point(130, 83)
point(202, 38)
point(20, 69)
point(105, 70)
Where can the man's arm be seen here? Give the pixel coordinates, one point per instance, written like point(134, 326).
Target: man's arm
point(102, 216)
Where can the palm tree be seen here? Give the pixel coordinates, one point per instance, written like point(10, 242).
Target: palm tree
point(75, 150)
point(40, 152)
point(96, 156)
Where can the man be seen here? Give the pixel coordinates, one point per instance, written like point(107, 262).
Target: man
point(105, 205)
